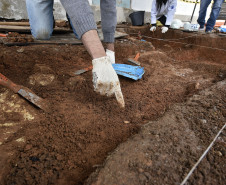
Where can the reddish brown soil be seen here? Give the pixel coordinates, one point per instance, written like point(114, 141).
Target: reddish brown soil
point(67, 144)
point(16, 37)
point(165, 150)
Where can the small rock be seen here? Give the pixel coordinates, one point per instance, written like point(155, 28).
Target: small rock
point(203, 121)
point(197, 85)
point(219, 153)
point(28, 147)
point(126, 122)
point(149, 163)
point(140, 170)
point(21, 50)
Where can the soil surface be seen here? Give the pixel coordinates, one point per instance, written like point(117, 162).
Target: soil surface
point(73, 139)
point(164, 151)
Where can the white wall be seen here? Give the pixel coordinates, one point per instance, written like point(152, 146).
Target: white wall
point(183, 12)
point(16, 9)
point(90, 1)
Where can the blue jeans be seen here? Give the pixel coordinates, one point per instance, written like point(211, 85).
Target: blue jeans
point(213, 16)
point(40, 13)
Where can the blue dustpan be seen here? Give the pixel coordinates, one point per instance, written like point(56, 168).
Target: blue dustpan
point(129, 71)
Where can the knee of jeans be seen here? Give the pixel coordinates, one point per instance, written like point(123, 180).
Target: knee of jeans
point(42, 34)
point(217, 5)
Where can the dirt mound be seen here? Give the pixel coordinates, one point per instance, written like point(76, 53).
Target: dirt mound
point(164, 151)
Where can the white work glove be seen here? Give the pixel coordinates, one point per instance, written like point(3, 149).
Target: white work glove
point(164, 29)
point(153, 28)
point(111, 54)
point(105, 79)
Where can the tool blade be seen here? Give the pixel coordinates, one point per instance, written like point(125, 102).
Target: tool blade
point(134, 62)
point(33, 98)
point(80, 72)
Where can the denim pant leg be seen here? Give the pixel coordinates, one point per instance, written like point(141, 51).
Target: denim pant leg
point(214, 14)
point(202, 12)
point(40, 13)
point(108, 19)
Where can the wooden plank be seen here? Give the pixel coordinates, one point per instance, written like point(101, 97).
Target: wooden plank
point(26, 29)
point(117, 34)
point(15, 23)
point(59, 39)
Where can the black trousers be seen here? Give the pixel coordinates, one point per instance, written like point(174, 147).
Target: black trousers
point(163, 20)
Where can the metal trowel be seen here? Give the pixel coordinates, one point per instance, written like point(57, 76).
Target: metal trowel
point(24, 92)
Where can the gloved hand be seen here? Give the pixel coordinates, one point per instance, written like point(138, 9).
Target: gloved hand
point(153, 28)
point(111, 54)
point(105, 79)
point(164, 29)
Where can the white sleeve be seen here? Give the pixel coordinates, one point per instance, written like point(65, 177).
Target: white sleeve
point(153, 12)
point(171, 11)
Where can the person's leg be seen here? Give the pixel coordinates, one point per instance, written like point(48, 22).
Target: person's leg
point(202, 12)
point(82, 19)
point(40, 13)
point(214, 14)
point(108, 21)
point(105, 79)
point(162, 19)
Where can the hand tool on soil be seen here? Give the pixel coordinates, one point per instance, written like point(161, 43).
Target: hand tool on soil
point(3, 35)
point(129, 71)
point(24, 92)
point(83, 70)
point(135, 60)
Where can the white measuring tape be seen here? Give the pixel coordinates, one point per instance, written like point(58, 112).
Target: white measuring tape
point(203, 155)
point(194, 1)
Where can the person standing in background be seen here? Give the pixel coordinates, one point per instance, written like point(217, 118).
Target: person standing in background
point(213, 15)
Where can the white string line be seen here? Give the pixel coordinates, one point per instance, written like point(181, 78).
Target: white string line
point(180, 42)
point(203, 155)
point(68, 37)
point(195, 34)
point(183, 37)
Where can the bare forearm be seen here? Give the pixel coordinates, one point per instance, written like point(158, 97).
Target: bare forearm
point(93, 44)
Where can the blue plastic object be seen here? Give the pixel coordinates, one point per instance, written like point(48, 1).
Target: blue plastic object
point(223, 29)
point(129, 71)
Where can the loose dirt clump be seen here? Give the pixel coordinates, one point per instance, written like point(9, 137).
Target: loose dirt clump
point(21, 38)
point(65, 145)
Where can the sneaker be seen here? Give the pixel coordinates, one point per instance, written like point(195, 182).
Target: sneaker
point(208, 31)
point(201, 29)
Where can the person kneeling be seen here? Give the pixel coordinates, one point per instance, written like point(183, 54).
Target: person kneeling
point(162, 10)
